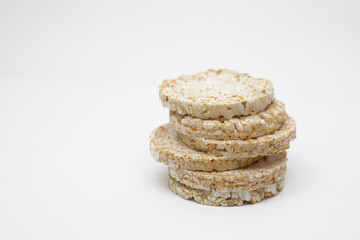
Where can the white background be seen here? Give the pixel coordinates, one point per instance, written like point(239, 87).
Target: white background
point(79, 98)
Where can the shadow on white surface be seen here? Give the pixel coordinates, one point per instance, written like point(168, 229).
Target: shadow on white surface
point(299, 177)
point(161, 179)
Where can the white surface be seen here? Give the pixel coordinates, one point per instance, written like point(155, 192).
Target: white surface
point(78, 100)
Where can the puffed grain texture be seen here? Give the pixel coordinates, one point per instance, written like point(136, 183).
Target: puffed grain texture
point(263, 173)
point(212, 94)
point(225, 198)
point(166, 147)
point(245, 127)
point(233, 149)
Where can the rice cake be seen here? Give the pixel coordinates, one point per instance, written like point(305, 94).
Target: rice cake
point(245, 127)
point(166, 147)
point(225, 198)
point(216, 93)
point(233, 149)
point(263, 173)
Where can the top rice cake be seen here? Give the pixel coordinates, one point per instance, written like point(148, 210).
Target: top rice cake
point(216, 93)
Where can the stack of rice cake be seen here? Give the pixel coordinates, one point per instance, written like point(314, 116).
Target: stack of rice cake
point(226, 140)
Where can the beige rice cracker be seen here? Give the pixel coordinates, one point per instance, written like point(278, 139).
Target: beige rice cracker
point(225, 198)
point(214, 94)
point(250, 184)
point(233, 149)
point(268, 171)
point(244, 127)
point(166, 147)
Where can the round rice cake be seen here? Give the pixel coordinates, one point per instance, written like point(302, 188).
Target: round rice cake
point(166, 147)
point(225, 198)
point(265, 172)
point(214, 94)
point(245, 127)
point(233, 149)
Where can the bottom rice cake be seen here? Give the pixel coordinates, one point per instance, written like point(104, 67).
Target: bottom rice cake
point(264, 178)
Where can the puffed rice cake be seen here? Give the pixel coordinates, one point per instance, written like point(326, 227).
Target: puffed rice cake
point(233, 149)
point(245, 127)
point(250, 184)
point(225, 199)
point(166, 147)
point(214, 94)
